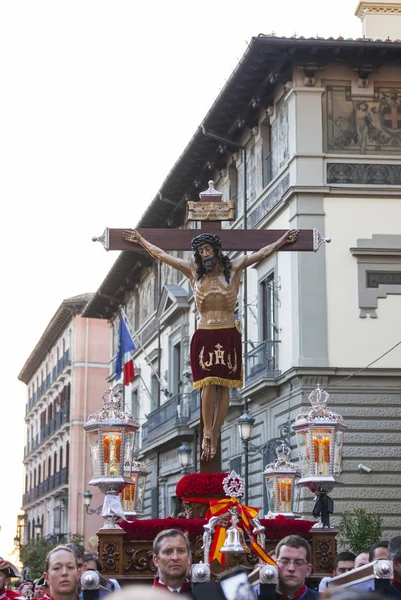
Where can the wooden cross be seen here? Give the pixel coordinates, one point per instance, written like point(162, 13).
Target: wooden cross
point(211, 219)
point(211, 211)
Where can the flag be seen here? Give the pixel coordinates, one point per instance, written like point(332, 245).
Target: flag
point(124, 354)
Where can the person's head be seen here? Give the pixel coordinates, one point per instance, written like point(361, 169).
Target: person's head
point(7, 570)
point(24, 589)
point(172, 556)
point(378, 550)
point(92, 563)
point(293, 556)
point(41, 588)
point(79, 555)
point(61, 572)
point(394, 554)
point(362, 559)
point(208, 254)
point(343, 562)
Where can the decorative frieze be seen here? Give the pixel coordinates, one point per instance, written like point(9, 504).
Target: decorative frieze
point(364, 174)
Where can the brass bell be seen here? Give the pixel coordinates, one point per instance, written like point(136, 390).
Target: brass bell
point(235, 541)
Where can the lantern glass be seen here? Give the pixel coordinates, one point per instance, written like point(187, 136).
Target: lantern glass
point(338, 452)
point(140, 493)
point(94, 454)
point(321, 455)
point(111, 450)
point(129, 447)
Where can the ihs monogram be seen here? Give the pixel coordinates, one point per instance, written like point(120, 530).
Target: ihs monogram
point(217, 357)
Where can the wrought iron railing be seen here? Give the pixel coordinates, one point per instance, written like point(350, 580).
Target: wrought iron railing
point(262, 360)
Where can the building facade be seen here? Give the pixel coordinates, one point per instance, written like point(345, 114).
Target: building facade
point(65, 376)
point(305, 134)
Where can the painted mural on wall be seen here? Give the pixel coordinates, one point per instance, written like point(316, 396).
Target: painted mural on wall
point(363, 125)
point(279, 139)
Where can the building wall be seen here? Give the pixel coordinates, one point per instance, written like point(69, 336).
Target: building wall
point(322, 337)
point(59, 502)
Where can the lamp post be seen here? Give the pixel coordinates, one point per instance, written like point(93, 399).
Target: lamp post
point(111, 434)
point(87, 502)
point(320, 434)
point(245, 423)
point(38, 529)
point(184, 454)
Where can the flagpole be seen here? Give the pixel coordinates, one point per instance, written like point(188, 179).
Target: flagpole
point(133, 334)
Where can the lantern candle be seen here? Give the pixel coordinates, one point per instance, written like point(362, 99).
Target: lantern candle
point(284, 493)
point(111, 454)
point(321, 454)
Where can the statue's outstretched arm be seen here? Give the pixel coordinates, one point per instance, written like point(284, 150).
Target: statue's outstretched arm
point(185, 266)
point(289, 237)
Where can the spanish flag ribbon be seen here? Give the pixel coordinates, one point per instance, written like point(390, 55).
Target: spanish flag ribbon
point(246, 513)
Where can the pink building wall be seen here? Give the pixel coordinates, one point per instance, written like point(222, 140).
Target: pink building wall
point(90, 369)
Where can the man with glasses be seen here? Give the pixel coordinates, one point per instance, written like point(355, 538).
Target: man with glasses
point(293, 555)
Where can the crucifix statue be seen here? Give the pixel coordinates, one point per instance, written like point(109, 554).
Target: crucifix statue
point(216, 346)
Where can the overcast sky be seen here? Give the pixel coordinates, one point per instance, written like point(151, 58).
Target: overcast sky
point(99, 98)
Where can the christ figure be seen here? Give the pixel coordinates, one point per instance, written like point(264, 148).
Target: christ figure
point(216, 347)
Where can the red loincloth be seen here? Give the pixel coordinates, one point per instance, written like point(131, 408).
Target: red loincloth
point(216, 357)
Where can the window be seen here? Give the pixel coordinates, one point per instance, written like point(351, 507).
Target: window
point(135, 403)
point(154, 392)
point(269, 309)
point(175, 385)
point(379, 271)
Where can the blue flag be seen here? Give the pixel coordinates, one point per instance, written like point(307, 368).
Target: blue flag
point(124, 357)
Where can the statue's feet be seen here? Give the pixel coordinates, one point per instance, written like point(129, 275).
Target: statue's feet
point(208, 447)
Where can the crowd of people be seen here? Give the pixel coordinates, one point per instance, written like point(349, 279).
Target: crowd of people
point(65, 564)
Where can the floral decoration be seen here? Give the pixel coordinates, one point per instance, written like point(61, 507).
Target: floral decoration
point(201, 484)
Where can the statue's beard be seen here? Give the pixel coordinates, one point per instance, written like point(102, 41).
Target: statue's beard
point(210, 263)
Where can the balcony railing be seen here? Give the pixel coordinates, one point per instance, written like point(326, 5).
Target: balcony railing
point(62, 364)
point(176, 411)
point(62, 417)
point(54, 481)
point(261, 361)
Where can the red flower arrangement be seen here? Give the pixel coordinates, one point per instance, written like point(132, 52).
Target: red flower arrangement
point(201, 484)
point(276, 529)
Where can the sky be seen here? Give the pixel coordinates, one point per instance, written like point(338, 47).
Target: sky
point(99, 98)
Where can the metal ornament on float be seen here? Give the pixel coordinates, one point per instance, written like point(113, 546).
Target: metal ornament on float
point(111, 434)
point(233, 486)
point(320, 435)
point(133, 495)
point(280, 478)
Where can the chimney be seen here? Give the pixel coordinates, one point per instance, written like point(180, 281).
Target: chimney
point(381, 19)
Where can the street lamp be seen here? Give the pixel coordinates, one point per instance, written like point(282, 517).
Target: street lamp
point(87, 502)
point(38, 529)
point(245, 423)
point(184, 453)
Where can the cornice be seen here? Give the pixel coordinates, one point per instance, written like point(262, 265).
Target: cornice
point(377, 8)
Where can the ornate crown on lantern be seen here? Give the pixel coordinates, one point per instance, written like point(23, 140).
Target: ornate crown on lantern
point(233, 485)
point(319, 411)
point(283, 462)
point(111, 411)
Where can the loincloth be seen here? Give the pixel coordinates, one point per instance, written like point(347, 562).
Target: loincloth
point(216, 357)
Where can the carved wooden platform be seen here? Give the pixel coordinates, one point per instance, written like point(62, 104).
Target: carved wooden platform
point(130, 560)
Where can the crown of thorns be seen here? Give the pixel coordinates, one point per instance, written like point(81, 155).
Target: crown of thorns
point(206, 238)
